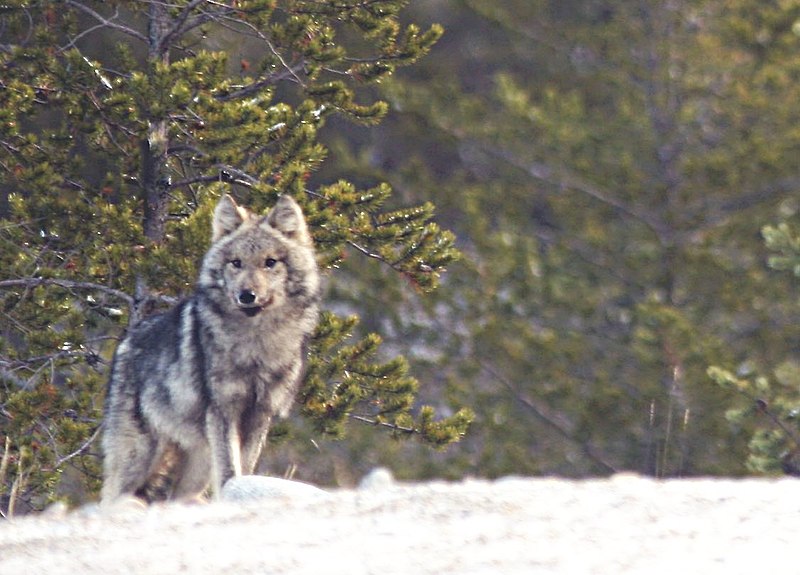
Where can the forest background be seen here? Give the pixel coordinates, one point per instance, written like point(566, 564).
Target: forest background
point(620, 178)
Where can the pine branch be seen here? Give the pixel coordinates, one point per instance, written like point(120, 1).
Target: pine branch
point(534, 32)
point(763, 407)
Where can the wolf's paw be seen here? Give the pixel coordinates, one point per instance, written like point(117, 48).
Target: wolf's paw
point(122, 505)
point(198, 499)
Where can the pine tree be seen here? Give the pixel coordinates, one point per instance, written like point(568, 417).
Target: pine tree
point(121, 123)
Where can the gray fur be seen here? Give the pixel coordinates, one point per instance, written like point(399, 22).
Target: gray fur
point(193, 391)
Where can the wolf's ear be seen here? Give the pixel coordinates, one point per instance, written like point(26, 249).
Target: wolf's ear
point(287, 218)
point(228, 216)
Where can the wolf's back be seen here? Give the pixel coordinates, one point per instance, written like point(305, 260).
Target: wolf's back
point(157, 373)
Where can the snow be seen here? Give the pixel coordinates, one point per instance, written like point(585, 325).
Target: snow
point(625, 524)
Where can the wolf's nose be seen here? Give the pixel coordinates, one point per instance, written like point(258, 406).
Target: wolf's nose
point(247, 297)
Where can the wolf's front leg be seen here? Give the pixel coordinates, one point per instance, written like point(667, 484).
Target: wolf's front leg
point(193, 474)
point(226, 448)
point(254, 432)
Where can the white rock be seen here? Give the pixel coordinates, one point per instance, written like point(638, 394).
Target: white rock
point(56, 510)
point(378, 479)
point(255, 487)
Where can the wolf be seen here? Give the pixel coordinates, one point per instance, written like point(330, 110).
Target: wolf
point(192, 391)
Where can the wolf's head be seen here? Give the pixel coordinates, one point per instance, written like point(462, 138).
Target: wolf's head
point(260, 262)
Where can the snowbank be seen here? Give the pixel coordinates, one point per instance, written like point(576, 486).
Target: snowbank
point(625, 524)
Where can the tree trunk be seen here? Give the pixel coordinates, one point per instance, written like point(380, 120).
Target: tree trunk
point(154, 175)
point(155, 180)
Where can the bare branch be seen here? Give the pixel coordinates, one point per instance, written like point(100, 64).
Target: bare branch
point(88, 31)
point(550, 419)
point(4, 461)
point(393, 426)
point(224, 173)
point(260, 35)
point(768, 193)
point(106, 22)
point(184, 24)
point(80, 451)
point(7, 48)
point(68, 284)
point(19, 364)
point(716, 214)
point(563, 178)
point(269, 80)
point(376, 256)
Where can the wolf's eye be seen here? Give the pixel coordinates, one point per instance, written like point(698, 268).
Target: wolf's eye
point(270, 263)
point(237, 263)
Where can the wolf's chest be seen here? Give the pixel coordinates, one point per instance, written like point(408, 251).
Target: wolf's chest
point(246, 370)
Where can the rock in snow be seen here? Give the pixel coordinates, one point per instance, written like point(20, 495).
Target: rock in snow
point(256, 487)
point(625, 524)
